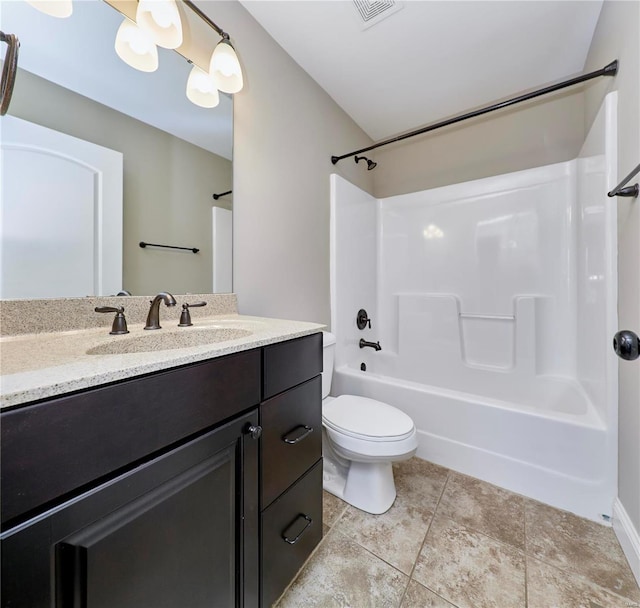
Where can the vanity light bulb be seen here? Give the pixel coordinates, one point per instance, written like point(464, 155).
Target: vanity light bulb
point(201, 89)
point(161, 19)
point(226, 65)
point(225, 68)
point(136, 48)
point(54, 8)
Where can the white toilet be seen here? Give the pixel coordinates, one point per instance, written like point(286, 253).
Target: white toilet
point(361, 437)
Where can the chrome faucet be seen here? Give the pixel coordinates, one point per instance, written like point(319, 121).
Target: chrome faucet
point(375, 345)
point(153, 318)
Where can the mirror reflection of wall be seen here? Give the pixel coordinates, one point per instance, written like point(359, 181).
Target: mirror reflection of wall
point(168, 182)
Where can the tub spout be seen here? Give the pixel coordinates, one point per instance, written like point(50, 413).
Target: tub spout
point(374, 345)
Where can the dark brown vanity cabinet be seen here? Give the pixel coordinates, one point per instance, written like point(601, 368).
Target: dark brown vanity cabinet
point(175, 531)
point(147, 493)
point(291, 460)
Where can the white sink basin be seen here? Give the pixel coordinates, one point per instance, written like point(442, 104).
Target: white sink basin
point(155, 340)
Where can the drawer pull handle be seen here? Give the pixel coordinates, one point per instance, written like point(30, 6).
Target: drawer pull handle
point(307, 430)
point(293, 541)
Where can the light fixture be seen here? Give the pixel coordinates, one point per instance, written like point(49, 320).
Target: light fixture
point(161, 19)
point(54, 8)
point(136, 48)
point(225, 67)
point(201, 89)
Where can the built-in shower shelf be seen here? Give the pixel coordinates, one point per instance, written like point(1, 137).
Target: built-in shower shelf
point(433, 327)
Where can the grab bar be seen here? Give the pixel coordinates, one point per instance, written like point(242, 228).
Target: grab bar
point(468, 315)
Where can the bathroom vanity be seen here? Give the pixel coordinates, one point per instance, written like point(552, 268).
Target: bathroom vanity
point(194, 485)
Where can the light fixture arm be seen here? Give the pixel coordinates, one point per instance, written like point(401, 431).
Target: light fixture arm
point(206, 19)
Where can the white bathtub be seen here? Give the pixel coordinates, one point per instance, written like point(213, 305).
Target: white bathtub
point(552, 455)
point(494, 302)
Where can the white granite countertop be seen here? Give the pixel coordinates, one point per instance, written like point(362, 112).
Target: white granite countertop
point(42, 365)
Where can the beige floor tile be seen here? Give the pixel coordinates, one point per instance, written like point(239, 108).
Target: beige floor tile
point(470, 569)
point(418, 596)
point(484, 507)
point(341, 573)
point(419, 482)
point(332, 508)
point(395, 536)
point(548, 587)
point(578, 545)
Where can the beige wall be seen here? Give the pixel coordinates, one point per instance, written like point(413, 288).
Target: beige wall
point(285, 130)
point(168, 185)
point(616, 36)
point(540, 132)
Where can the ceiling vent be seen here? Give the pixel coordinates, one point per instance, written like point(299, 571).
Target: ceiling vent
point(374, 11)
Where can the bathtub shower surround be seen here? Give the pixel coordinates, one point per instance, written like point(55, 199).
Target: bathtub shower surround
point(494, 302)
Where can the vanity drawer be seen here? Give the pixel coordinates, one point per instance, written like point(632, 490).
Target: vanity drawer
point(287, 364)
point(58, 446)
point(291, 436)
point(291, 529)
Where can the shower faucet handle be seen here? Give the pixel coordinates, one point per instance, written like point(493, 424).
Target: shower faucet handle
point(362, 320)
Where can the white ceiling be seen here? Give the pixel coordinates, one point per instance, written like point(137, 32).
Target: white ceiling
point(78, 54)
point(430, 59)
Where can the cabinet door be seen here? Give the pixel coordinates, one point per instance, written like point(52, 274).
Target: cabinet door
point(177, 531)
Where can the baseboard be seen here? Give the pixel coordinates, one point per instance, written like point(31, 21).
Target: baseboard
point(579, 496)
point(627, 536)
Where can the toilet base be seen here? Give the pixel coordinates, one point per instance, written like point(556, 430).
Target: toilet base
point(368, 486)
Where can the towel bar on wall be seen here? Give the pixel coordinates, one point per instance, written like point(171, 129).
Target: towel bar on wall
point(629, 190)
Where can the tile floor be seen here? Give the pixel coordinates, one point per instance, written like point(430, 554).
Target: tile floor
point(452, 541)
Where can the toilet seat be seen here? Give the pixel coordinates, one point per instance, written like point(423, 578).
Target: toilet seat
point(366, 419)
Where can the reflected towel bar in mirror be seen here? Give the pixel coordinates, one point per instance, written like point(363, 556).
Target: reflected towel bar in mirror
point(143, 245)
point(217, 196)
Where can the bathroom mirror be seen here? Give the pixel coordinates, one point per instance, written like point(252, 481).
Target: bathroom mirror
point(175, 155)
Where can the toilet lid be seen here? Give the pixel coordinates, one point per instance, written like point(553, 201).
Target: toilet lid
point(367, 418)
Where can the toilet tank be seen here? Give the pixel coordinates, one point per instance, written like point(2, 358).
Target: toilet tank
point(328, 354)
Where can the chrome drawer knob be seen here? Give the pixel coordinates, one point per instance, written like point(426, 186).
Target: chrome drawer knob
point(254, 431)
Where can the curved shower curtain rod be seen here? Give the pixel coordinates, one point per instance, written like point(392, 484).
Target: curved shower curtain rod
point(610, 69)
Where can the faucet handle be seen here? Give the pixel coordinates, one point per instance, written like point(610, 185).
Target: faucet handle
point(119, 326)
point(362, 320)
point(185, 315)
